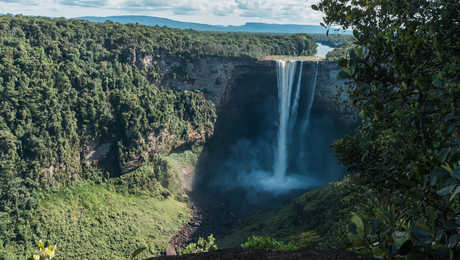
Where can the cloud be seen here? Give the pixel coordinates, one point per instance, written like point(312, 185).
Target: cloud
point(85, 3)
point(24, 2)
point(224, 11)
point(294, 10)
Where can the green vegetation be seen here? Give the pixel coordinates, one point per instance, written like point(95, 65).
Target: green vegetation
point(202, 246)
point(90, 221)
point(82, 102)
point(405, 81)
point(255, 242)
point(316, 219)
point(339, 53)
point(46, 253)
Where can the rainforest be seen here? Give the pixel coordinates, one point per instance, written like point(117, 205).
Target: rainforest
point(134, 137)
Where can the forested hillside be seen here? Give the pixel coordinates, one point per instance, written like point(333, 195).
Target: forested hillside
point(77, 105)
point(66, 83)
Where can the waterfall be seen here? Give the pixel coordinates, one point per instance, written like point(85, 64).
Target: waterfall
point(311, 100)
point(285, 74)
point(295, 107)
point(288, 109)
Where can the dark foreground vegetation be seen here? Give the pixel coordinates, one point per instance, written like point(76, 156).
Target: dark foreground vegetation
point(405, 157)
point(262, 254)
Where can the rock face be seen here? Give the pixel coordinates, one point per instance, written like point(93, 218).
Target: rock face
point(248, 254)
point(221, 79)
point(232, 84)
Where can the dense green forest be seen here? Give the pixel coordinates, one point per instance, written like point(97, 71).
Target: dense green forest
point(70, 87)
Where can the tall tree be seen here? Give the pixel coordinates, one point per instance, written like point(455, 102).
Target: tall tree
point(404, 73)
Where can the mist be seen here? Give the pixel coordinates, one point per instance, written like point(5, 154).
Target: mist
point(245, 171)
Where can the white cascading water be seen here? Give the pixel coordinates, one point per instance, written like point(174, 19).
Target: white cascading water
point(285, 74)
point(306, 122)
point(295, 107)
point(288, 109)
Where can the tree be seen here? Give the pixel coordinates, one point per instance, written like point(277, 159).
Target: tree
point(404, 73)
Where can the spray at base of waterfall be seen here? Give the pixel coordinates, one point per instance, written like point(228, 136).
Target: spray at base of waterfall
point(267, 182)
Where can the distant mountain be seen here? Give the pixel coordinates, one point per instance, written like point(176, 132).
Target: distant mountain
point(248, 27)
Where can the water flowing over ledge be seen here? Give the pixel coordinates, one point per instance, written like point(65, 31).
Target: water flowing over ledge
point(289, 124)
point(293, 58)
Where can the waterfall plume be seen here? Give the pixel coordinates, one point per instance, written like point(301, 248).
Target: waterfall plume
point(285, 75)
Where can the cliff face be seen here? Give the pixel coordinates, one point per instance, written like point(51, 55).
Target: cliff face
point(243, 90)
point(229, 81)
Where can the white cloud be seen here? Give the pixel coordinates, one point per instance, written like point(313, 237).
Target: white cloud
point(25, 2)
point(205, 11)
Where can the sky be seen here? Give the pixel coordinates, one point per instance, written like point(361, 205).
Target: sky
point(222, 12)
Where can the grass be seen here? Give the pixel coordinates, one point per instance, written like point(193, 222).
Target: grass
point(89, 221)
point(319, 216)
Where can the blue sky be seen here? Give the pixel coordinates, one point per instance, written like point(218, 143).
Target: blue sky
point(224, 12)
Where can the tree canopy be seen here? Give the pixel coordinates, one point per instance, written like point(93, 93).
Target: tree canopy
point(404, 73)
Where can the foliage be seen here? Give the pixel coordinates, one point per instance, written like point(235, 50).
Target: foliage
point(256, 242)
point(202, 246)
point(309, 239)
point(405, 81)
point(46, 253)
point(152, 179)
point(316, 219)
point(68, 86)
point(384, 230)
point(137, 252)
point(103, 223)
point(339, 53)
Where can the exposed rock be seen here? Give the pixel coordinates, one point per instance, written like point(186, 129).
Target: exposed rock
point(97, 152)
point(162, 142)
point(227, 82)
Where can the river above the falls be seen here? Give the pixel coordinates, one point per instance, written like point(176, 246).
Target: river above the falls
point(322, 50)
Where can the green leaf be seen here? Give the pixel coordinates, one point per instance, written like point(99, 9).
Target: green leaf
point(453, 240)
point(455, 193)
point(40, 244)
point(138, 252)
point(358, 221)
point(446, 190)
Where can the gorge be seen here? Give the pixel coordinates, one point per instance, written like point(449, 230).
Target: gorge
point(121, 140)
point(127, 135)
point(236, 174)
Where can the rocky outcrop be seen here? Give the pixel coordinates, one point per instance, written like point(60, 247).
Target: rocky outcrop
point(235, 85)
point(162, 142)
point(219, 77)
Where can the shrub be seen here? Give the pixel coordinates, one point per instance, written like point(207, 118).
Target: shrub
point(46, 253)
point(256, 242)
point(201, 246)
